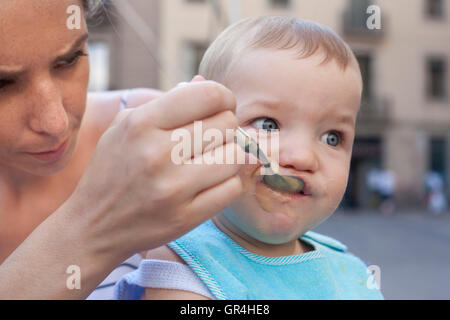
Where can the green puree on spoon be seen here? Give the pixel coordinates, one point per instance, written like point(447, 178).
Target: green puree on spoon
point(282, 183)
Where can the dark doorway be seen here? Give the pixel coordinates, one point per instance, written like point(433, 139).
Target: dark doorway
point(367, 155)
point(438, 157)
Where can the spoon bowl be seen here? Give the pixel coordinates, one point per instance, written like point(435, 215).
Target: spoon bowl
point(282, 183)
point(286, 184)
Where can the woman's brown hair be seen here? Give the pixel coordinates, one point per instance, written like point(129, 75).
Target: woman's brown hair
point(91, 7)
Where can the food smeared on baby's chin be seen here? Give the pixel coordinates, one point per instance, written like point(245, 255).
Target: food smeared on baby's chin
point(273, 202)
point(269, 200)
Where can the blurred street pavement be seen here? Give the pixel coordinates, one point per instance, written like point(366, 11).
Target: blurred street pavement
point(412, 249)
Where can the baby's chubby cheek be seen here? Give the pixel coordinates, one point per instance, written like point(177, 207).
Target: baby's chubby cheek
point(249, 174)
point(247, 205)
point(260, 219)
point(335, 186)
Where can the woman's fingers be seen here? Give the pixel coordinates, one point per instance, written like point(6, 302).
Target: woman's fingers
point(186, 104)
point(134, 180)
point(121, 116)
point(140, 96)
point(210, 169)
point(213, 200)
point(198, 78)
point(203, 136)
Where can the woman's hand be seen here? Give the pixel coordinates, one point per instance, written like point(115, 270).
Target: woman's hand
point(133, 197)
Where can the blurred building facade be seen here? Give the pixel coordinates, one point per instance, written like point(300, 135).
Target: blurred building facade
point(404, 123)
point(119, 57)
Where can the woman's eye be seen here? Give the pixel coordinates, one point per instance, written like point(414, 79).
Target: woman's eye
point(70, 61)
point(266, 124)
point(332, 138)
point(4, 83)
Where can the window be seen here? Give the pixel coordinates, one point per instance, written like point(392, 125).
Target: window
point(365, 64)
point(436, 79)
point(358, 13)
point(280, 3)
point(99, 62)
point(438, 158)
point(435, 9)
point(192, 56)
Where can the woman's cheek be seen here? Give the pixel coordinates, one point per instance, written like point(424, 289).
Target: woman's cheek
point(75, 91)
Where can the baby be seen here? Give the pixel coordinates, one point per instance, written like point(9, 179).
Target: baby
point(301, 79)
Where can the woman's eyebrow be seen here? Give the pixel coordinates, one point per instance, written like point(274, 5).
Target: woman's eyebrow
point(14, 72)
point(9, 72)
point(74, 46)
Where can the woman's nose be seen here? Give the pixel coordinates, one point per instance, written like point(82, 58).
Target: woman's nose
point(298, 155)
point(48, 114)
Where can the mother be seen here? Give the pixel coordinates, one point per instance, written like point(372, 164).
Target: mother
point(80, 184)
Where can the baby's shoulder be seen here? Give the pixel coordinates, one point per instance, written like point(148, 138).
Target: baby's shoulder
point(163, 253)
point(326, 241)
point(336, 252)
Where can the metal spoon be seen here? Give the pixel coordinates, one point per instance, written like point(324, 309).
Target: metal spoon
point(287, 184)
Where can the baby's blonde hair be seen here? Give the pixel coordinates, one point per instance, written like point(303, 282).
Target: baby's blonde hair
point(272, 32)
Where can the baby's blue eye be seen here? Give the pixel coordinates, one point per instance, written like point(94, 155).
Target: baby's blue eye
point(331, 138)
point(266, 124)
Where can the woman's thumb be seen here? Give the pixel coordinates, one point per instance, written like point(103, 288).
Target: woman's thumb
point(198, 78)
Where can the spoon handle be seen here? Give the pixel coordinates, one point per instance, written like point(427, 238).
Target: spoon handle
point(287, 184)
point(249, 145)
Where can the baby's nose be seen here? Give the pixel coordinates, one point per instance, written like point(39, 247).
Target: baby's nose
point(298, 156)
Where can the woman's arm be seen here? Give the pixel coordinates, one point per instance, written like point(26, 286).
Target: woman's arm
point(103, 107)
point(38, 268)
point(111, 99)
point(63, 249)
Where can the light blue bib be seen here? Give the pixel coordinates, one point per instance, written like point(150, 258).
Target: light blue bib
point(232, 273)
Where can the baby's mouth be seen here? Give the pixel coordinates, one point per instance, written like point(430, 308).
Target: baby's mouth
point(271, 189)
point(283, 196)
point(274, 201)
point(284, 184)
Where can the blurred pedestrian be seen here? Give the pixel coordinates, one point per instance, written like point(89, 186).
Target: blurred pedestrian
point(382, 183)
point(435, 199)
point(386, 185)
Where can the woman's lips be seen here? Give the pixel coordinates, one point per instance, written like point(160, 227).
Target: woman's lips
point(51, 155)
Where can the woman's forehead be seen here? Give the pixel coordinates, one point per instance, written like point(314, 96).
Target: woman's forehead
point(32, 28)
point(44, 8)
